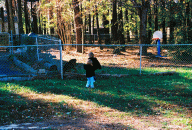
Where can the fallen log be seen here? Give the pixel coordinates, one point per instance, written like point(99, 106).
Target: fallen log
point(98, 76)
point(163, 73)
point(106, 76)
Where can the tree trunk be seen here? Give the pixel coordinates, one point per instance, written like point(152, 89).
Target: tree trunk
point(89, 25)
point(98, 30)
point(78, 24)
point(163, 24)
point(93, 29)
point(20, 25)
point(3, 20)
point(171, 38)
point(143, 25)
point(39, 19)
point(11, 17)
point(149, 27)
point(183, 21)
point(90, 37)
point(164, 32)
point(93, 26)
point(51, 18)
point(189, 38)
point(34, 15)
point(60, 25)
point(84, 26)
point(27, 25)
point(106, 29)
point(127, 19)
point(121, 30)
point(8, 12)
point(40, 24)
point(136, 30)
point(156, 16)
point(114, 27)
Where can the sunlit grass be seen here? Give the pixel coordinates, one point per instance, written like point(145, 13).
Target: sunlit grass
point(157, 69)
point(113, 70)
point(187, 72)
point(135, 96)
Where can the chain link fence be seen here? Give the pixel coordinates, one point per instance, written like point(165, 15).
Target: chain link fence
point(46, 55)
point(35, 55)
point(134, 59)
point(169, 58)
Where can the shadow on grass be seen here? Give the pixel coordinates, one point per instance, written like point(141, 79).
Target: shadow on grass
point(137, 94)
point(18, 109)
point(122, 87)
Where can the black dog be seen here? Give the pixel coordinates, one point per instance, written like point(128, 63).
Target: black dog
point(69, 66)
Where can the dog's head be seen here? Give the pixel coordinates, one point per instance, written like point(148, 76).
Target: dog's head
point(73, 61)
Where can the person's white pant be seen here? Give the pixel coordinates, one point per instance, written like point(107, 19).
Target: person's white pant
point(90, 82)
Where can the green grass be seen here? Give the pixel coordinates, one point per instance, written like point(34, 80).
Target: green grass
point(112, 70)
point(136, 71)
point(168, 96)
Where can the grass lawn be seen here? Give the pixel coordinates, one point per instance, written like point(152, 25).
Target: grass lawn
point(135, 102)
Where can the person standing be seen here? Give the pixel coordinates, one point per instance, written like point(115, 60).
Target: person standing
point(90, 73)
point(96, 63)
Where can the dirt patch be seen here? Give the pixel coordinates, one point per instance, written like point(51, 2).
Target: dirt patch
point(130, 58)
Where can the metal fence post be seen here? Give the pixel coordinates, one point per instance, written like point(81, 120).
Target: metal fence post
point(37, 49)
point(61, 59)
point(141, 46)
point(11, 42)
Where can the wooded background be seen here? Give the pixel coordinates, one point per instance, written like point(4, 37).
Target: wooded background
point(121, 20)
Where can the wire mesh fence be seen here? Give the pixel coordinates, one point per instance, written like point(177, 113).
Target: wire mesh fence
point(4, 39)
point(34, 55)
point(45, 54)
point(170, 58)
point(131, 60)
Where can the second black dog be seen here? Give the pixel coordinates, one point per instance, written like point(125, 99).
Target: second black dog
point(69, 66)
